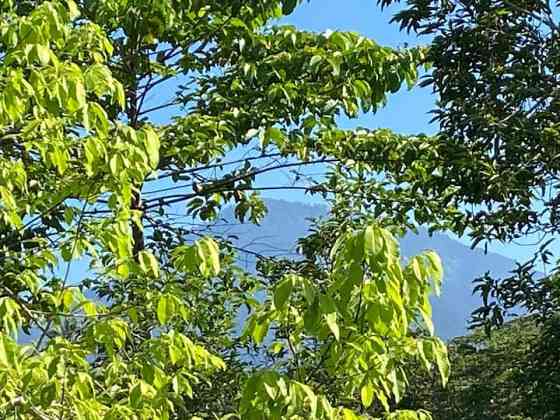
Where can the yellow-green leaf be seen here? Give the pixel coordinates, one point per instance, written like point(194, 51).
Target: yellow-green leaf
point(162, 310)
point(367, 394)
point(152, 145)
point(148, 263)
point(209, 253)
point(43, 54)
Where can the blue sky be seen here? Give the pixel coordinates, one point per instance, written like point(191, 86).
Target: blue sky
point(407, 111)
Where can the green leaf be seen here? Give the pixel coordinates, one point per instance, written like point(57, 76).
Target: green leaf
point(114, 165)
point(120, 96)
point(426, 316)
point(260, 330)
point(43, 54)
point(309, 291)
point(373, 241)
point(185, 258)
point(332, 324)
point(282, 292)
point(442, 360)
point(80, 95)
point(270, 390)
point(4, 360)
point(416, 269)
point(152, 147)
point(67, 298)
point(73, 10)
point(209, 254)
point(312, 318)
point(349, 415)
point(288, 6)
point(140, 393)
point(383, 400)
point(436, 270)
point(312, 399)
point(335, 64)
point(90, 309)
point(315, 60)
point(148, 263)
point(276, 347)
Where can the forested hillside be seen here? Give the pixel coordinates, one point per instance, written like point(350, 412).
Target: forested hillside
point(511, 375)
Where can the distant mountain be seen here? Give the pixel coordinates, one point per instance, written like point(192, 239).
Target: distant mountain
point(461, 265)
point(288, 221)
point(284, 223)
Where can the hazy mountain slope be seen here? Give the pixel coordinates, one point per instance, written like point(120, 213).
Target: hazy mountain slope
point(284, 223)
point(287, 221)
point(461, 265)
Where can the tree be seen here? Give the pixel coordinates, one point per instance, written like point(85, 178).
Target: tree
point(495, 72)
point(107, 258)
point(510, 375)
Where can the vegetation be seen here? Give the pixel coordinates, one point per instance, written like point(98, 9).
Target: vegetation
point(495, 72)
point(510, 375)
point(131, 307)
point(116, 301)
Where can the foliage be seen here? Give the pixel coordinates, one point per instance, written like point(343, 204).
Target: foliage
point(495, 72)
point(510, 375)
point(348, 331)
point(124, 304)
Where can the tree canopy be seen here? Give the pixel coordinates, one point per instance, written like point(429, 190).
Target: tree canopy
point(124, 304)
point(495, 73)
point(511, 374)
